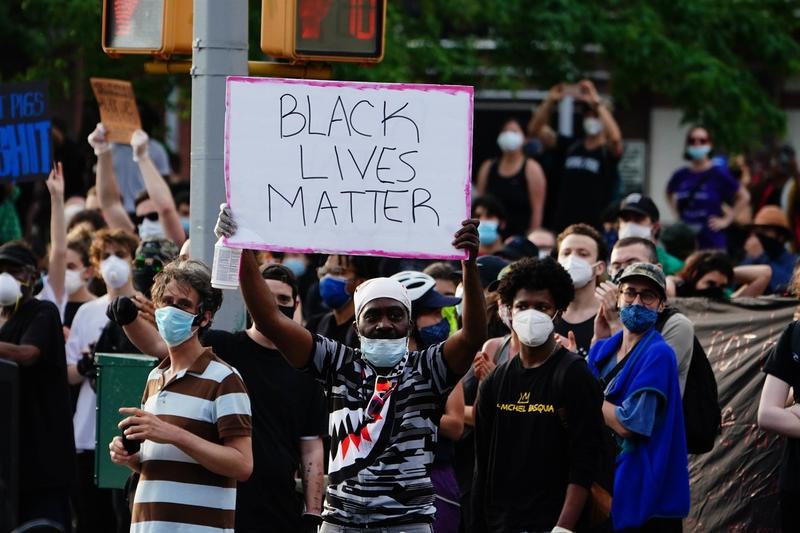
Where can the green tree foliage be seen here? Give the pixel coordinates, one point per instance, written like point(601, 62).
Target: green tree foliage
point(722, 62)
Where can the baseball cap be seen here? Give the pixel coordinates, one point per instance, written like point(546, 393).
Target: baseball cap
point(489, 266)
point(641, 205)
point(646, 270)
point(500, 275)
point(434, 299)
point(19, 253)
point(518, 247)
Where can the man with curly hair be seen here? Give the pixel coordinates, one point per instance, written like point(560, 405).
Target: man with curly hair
point(544, 406)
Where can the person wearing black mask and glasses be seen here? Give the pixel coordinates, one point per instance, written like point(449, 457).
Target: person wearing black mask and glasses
point(766, 245)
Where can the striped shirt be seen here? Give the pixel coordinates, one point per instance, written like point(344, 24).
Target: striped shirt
point(381, 451)
point(175, 493)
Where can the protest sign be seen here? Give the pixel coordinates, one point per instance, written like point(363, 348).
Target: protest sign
point(118, 111)
point(350, 168)
point(25, 150)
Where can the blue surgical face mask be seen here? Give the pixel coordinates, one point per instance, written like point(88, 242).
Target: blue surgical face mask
point(296, 265)
point(174, 325)
point(383, 353)
point(186, 223)
point(333, 291)
point(434, 334)
point(697, 152)
point(638, 318)
point(488, 232)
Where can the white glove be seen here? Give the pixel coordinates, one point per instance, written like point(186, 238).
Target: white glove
point(226, 226)
point(97, 140)
point(559, 529)
point(139, 143)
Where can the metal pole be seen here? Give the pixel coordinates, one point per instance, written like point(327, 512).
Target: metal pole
point(219, 49)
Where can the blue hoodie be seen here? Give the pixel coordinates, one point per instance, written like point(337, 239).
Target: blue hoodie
point(652, 473)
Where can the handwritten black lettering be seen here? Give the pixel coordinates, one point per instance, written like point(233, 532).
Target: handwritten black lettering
point(329, 206)
point(396, 115)
point(378, 166)
point(338, 162)
point(293, 111)
point(351, 193)
point(387, 207)
point(308, 99)
point(339, 105)
point(303, 172)
point(353, 123)
point(424, 203)
point(409, 165)
point(298, 194)
point(362, 173)
point(375, 203)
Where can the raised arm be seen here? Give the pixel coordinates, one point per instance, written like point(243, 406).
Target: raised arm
point(460, 348)
point(537, 190)
point(57, 267)
point(610, 126)
point(157, 189)
point(108, 194)
point(291, 339)
point(754, 279)
point(124, 311)
point(542, 115)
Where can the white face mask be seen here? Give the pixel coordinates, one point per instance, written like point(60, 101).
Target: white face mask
point(10, 289)
point(533, 328)
point(504, 313)
point(383, 353)
point(73, 281)
point(579, 270)
point(151, 230)
point(632, 229)
point(592, 126)
point(508, 141)
point(115, 272)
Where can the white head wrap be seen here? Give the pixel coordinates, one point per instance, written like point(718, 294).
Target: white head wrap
point(380, 288)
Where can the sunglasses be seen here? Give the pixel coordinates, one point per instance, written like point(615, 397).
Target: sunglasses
point(149, 216)
point(697, 140)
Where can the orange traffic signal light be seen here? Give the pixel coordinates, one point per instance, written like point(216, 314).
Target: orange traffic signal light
point(150, 27)
point(324, 30)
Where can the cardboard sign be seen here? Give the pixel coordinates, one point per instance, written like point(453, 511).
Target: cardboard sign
point(118, 110)
point(25, 148)
point(348, 168)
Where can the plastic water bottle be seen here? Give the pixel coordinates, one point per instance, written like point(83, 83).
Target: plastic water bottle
point(225, 268)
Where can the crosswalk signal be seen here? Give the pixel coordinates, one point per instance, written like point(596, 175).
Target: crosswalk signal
point(147, 27)
point(324, 30)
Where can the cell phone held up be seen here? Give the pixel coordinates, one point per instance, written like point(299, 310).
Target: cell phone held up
point(131, 446)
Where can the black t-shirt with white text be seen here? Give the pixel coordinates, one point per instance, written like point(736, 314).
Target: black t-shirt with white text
point(286, 404)
point(46, 438)
point(525, 454)
point(587, 184)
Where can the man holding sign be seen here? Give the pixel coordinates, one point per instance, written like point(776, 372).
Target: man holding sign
point(385, 402)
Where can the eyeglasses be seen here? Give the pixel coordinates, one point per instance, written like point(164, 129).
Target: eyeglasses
point(383, 389)
point(698, 140)
point(648, 297)
point(153, 216)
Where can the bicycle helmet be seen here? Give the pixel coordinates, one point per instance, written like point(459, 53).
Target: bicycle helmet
point(416, 283)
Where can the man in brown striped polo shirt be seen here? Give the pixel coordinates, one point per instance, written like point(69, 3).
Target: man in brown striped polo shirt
point(194, 423)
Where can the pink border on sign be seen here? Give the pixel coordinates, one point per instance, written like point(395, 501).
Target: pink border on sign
point(449, 89)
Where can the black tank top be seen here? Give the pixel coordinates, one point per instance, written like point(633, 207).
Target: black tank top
point(512, 192)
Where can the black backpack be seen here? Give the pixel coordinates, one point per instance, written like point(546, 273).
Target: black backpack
point(702, 415)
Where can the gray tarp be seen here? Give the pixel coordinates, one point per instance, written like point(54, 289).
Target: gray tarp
point(735, 486)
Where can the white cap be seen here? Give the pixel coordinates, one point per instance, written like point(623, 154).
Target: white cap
point(380, 288)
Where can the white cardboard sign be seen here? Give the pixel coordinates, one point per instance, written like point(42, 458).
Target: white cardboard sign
point(349, 168)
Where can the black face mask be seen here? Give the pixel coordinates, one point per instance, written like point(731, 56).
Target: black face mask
point(773, 247)
point(143, 280)
point(287, 310)
point(713, 293)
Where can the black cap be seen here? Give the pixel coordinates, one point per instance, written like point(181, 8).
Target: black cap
point(433, 299)
point(489, 266)
point(19, 253)
point(639, 204)
point(518, 247)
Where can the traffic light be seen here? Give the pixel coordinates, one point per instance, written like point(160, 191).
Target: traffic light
point(324, 30)
point(150, 27)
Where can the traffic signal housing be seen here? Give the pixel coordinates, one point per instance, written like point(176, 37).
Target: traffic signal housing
point(161, 28)
point(324, 30)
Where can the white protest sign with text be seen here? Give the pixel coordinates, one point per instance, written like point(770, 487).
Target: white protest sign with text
point(350, 168)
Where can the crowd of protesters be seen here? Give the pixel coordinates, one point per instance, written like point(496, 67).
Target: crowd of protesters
point(536, 386)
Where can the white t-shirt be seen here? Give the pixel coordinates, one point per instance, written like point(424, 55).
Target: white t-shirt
point(48, 295)
point(87, 325)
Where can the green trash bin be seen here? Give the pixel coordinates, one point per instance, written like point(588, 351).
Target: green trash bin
point(120, 383)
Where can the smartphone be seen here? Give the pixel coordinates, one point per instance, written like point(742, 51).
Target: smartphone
point(572, 89)
point(131, 446)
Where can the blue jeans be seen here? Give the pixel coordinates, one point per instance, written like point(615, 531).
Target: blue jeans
point(409, 528)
